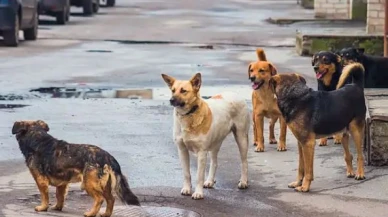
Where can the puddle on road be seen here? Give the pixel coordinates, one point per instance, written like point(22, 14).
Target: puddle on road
point(11, 106)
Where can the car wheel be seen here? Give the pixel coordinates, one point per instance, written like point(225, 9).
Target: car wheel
point(61, 17)
point(96, 7)
point(88, 7)
point(32, 33)
point(11, 37)
point(110, 3)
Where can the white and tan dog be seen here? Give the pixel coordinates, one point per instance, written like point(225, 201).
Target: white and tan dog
point(201, 126)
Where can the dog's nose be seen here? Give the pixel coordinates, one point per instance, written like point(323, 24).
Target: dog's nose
point(316, 68)
point(172, 100)
point(253, 78)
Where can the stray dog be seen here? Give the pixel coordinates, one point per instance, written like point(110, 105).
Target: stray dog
point(264, 103)
point(345, 112)
point(327, 67)
point(58, 163)
point(376, 67)
point(201, 126)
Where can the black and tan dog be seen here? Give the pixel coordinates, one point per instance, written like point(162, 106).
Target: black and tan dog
point(376, 67)
point(58, 163)
point(301, 108)
point(327, 67)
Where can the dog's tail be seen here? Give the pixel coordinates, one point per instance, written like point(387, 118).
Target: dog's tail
point(120, 185)
point(355, 72)
point(261, 55)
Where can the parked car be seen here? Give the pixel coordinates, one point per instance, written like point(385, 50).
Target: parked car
point(60, 9)
point(18, 15)
point(109, 3)
point(89, 6)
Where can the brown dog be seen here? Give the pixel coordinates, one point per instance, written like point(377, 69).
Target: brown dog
point(264, 103)
point(58, 163)
point(345, 113)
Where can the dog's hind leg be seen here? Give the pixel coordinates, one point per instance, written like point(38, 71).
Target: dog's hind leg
point(282, 137)
point(241, 137)
point(213, 168)
point(201, 157)
point(300, 175)
point(43, 183)
point(357, 128)
point(347, 155)
point(61, 192)
point(92, 186)
point(110, 200)
point(272, 122)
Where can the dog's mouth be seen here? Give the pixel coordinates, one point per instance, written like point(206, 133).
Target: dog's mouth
point(177, 103)
point(320, 74)
point(257, 85)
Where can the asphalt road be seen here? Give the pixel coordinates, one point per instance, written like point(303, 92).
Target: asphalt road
point(128, 47)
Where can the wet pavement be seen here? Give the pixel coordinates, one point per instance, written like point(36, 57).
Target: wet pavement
point(98, 81)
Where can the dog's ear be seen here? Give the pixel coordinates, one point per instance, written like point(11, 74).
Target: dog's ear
point(196, 81)
point(313, 59)
point(339, 59)
point(361, 50)
point(272, 69)
point(272, 84)
point(249, 70)
point(301, 78)
point(19, 127)
point(169, 80)
point(43, 125)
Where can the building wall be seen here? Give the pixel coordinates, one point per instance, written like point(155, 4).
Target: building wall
point(375, 16)
point(332, 9)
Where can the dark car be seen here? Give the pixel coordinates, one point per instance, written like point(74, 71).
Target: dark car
point(18, 15)
point(89, 6)
point(60, 9)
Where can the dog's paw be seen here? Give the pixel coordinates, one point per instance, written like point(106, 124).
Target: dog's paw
point(323, 143)
point(254, 144)
point(301, 189)
point(57, 207)
point(105, 214)
point(350, 175)
point(89, 214)
point(282, 148)
point(186, 191)
point(337, 141)
point(273, 141)
point(295, 184)
point(209, 184)
point(360, 177)
point(242, 185)
point(197, 196)
point(259, 148)
point(41, 208)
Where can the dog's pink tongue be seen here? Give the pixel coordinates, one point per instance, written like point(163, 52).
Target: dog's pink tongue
point(319, 75)
point(255, 86)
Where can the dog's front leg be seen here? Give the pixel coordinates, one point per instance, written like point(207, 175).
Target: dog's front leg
point(198, 194)
point(300, 175)
point(185, 162)
point(308, 155)
point(283, 133)
point(259, 125)
point(43, 183)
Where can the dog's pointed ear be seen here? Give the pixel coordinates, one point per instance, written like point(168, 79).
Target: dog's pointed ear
point(249, 70)
point(169, 80)
point(301, 78)
point(19, 127)
point(313, 59)
point(273, 70)
point(196, 81)
point(43, 124)
point(361, 50)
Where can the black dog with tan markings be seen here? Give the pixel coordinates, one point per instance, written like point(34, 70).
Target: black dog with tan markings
point(58, 163)
point(300, 106)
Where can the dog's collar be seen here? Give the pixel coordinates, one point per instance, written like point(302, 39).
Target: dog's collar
point(192, 110)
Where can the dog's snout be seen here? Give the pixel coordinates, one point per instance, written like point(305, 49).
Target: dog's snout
point(253, 78)
point(172, 100)
point(316, 67)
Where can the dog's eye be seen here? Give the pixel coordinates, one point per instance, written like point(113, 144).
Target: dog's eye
point(261, 70)
point(173, 90)
point(183, 91)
